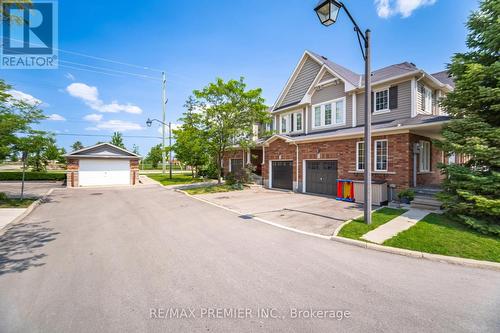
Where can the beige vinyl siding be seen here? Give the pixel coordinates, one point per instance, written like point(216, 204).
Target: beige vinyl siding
point(326, 94)
point(327, 76)
point(302, 82)
point(403, 110)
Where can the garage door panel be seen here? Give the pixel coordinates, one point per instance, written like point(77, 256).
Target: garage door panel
point(282, 175)
point(94, 172)
point(321, 177)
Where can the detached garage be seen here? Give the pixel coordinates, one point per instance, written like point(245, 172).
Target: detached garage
point(102, 164)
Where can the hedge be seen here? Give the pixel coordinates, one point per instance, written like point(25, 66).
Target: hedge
point(32, 176)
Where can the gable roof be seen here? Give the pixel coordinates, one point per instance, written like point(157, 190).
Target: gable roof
point(445, 78)
point(103, 150)
point(344, 73)
point(351, 79)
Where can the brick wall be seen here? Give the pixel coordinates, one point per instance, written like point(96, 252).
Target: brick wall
point(72, 173)
point(400, 159)
point(434, 176)
point(230, 154)
point(134, 172)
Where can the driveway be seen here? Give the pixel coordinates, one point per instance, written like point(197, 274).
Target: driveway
point(107, 260)
point(32, 189)
point(311, 213)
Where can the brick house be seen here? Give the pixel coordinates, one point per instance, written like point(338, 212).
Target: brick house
point(318, 121)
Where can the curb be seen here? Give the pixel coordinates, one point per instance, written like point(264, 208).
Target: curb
point(28, 210)
point(420, 255)
point(371, 246)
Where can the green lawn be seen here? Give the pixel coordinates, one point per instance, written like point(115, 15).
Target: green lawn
point(211, 189)
point(440, 235)
point(16, 203)
point(177, 178)
point(358, 228)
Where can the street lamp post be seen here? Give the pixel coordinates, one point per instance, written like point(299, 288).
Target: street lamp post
point(149, 122)
point(327, 11)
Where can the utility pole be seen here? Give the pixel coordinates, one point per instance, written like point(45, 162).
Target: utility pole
point(164, 102)
point(170, 148)
point(368, 131)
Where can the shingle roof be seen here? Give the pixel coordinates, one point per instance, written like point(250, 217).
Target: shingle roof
point(347, 74)
point(444, 77)
point(381, 74)
point(392, 71)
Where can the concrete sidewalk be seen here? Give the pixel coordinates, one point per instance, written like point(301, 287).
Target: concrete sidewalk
point(8, 215)
point(395, 226)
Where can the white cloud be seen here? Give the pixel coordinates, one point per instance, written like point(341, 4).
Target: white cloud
point(387, 8)
point(21, 96)
point(90, 96)
point(91, 129)
point(174, 127)
point(93, 117)
point(70, 76)
point(56, 117)
point(119, 125)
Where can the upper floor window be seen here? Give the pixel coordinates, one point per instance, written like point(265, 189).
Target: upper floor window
point(291, 122)
point(284, 122)
point(425, 156)
point(381, 155)
point(331, 113)
point(381, 100)
point(428, 100)
point(360, 156)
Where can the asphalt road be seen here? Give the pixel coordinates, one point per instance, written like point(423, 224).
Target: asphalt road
point(107, 260)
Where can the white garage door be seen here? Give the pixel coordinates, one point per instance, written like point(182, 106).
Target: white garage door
point(103, 172)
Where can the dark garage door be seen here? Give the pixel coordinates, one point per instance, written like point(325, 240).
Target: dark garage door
point(236, 165)
point(321, 177)
point(282, 175)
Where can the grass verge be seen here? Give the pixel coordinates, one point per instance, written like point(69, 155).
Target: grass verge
point(211, 189)
point(357, 228)
point(439, 234)
point(15, 203)
point(177, 178)
point(30, 175)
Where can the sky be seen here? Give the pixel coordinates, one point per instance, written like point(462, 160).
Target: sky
point(196, 42)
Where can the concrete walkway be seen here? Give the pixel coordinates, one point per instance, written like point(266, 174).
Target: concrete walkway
point(8, 215)
point(395, 226)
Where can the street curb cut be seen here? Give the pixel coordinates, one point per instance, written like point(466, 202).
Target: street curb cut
point(420, 255)
point(371, 246)
point(28, 210)
point(255, 217)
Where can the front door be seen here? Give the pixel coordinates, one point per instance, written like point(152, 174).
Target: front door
point(321, 177)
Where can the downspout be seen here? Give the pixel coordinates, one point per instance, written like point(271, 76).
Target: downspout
point(297, 165)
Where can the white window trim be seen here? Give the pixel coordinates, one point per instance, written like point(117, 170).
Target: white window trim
point(427, 90)
point(357, 155)
point(288, 122)
point(322, 107)
point(387, 110)
point(420, 166)
point(375, 155)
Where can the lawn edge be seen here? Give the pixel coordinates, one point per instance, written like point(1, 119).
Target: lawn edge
point(420, 255)
point(28, 210)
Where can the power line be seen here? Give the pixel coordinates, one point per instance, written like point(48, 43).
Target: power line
point(112, 70)
point(108, 135)
point(93, 57)
point(101, 72)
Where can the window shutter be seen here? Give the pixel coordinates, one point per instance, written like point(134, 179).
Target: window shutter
point(291, 123)
point(373, 101)
point(393, 97)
